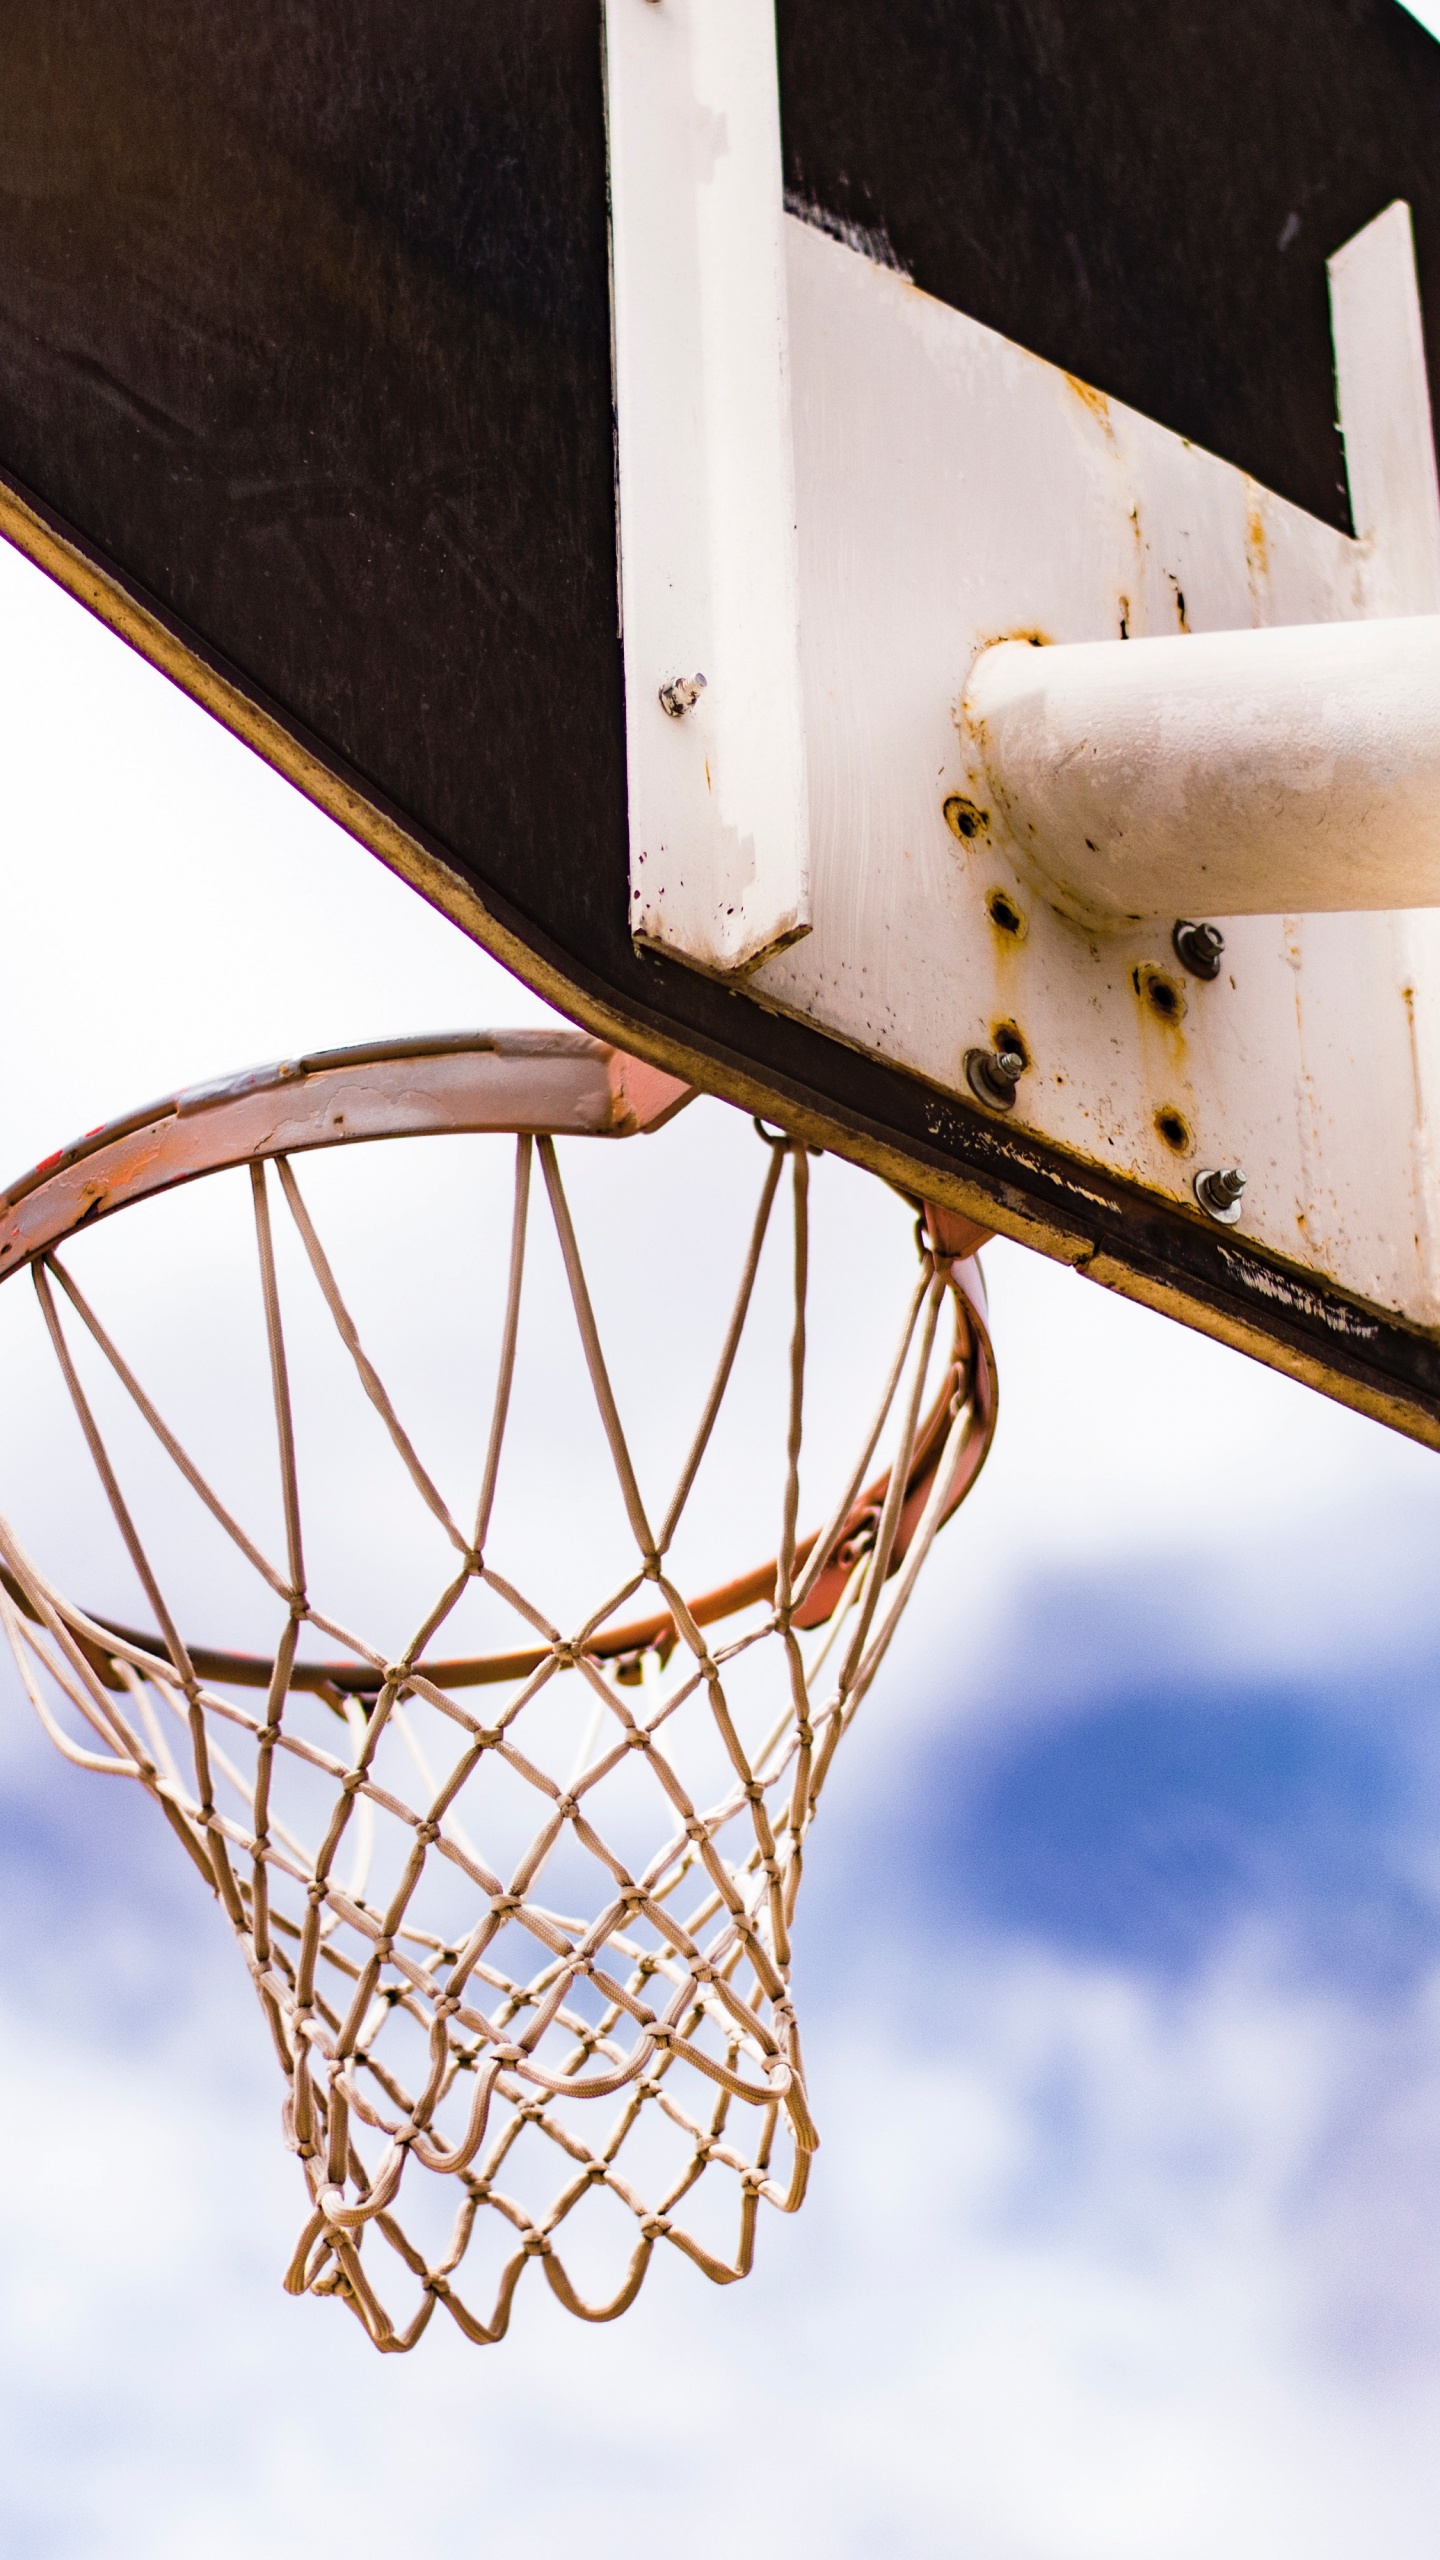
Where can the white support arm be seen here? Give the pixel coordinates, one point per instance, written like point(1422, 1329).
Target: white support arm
point(1223, 773)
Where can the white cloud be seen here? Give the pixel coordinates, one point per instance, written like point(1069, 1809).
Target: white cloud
point(1067, 2289)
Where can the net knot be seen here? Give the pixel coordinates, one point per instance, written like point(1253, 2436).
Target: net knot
point(426, 1832)
point(535, 2245)
point(566, 1807)
point(656, 2226)
point(267, 1735)
point(504, 1905)
point(638, 1739)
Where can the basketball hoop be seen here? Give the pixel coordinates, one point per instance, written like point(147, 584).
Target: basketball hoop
point(452, 2029)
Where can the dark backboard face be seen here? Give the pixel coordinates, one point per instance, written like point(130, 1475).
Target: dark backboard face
point(305, 386)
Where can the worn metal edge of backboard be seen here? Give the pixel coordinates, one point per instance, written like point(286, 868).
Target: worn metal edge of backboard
point(1128, 1240)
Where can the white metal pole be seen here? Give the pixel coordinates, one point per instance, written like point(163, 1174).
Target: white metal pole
point(1279, 772)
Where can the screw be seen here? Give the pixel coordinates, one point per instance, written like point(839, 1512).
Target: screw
point(1198, 947)
point(681, 695)
point(1219, 1193)
point(993, 1074)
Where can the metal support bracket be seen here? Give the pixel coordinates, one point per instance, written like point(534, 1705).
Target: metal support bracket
point(709, 584)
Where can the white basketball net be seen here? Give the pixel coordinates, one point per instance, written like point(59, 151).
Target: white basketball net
point(593, 2027)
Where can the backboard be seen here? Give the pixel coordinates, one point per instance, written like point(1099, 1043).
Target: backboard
point(309, 372)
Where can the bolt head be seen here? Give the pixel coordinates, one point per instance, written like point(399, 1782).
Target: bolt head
point(993, 1074)
point(681, 695)
point(1219, 1190)
point(1198, 947)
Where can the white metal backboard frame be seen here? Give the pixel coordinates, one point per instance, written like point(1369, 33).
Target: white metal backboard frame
point(956, 490)
point(818, 819)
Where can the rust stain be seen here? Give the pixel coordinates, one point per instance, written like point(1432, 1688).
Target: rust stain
point(1093, 400)
point(1029, 632)
point(1166, 1066)
point(1257, 549)
point(1007, 916)
point(1309, 1119)
point(1160, 995)
point(1425, 1224)
point(1407, 998)
point(964, 818)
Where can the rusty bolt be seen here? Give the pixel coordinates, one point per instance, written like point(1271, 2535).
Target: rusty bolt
point(992, 1075)
point(681, 695)
point(1219, 1193)
point(1198, 947)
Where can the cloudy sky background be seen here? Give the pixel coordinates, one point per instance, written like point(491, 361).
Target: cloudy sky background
point(1119, 1961)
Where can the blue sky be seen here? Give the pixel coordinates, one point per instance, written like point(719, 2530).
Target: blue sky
point(1119, 1962)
